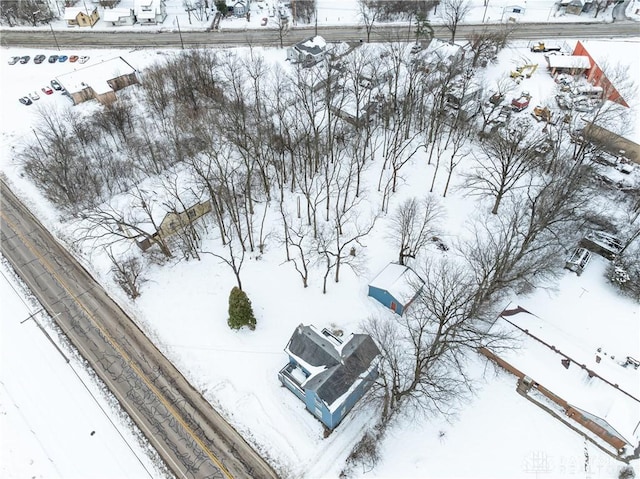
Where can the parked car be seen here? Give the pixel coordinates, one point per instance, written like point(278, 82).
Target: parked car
point(56, 86)
point(25, 100)
point(47, 90)
point(83, 59)
point(34, 96)
point(14, 60)
point(53, 58)
point(63, 58)
point(39, 59)
point(73, 58)
point(25, 59)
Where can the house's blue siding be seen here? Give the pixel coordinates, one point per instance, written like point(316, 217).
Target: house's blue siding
point(385, 298)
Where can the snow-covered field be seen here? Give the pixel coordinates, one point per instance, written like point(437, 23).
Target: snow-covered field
point(54, 420)
point(184, 308)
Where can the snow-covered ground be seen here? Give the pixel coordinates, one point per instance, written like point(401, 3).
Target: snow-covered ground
point(55, 422)
point(184, 308)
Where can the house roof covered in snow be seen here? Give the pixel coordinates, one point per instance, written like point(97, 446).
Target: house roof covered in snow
point(115, 14)
point(95, 76)
point(335, 367)
point(399, 281)
point(609, 393)
point(568, 61)
point(440, 51)
point(313, 46)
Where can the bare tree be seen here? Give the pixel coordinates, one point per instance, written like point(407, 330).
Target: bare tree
point(412, 226)
point(298, 237)
point(423, 352)
point(304, 10)
point(136, 220)
point(234, 257)
point(335, 248)
point(453, 12)
point(508, 156)
point(369, 11)
point(524, 245)
point(128, 273)
point(486, 44)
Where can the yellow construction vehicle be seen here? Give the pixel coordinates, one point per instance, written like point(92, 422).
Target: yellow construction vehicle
point(524, 71)
point(542, 114)
point(541, 47)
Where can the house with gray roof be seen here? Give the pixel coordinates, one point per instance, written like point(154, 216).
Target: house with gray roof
point(327, 374)
point(308, 52)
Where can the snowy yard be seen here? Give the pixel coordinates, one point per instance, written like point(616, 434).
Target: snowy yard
point(183, 307)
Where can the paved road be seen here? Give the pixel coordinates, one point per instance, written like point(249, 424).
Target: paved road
point(192, 439)
point(154, 39)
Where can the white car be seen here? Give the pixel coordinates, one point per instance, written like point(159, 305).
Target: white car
point(83, 59)
point(34, 96)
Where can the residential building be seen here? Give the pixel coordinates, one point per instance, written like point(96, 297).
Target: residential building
point(81, 16)
point(100, 81)
point(150, 12)
point(309, 51)
point(327, 374)
point(119, 16)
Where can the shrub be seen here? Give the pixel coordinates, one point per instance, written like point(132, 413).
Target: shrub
point(240, 310)
point(626, 472)
point(624, 272)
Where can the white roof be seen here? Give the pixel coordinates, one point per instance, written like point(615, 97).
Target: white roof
point(400, 281)
point(568, 61)
point(95, 76)
point(115, 14)
point(316, 41)
point(620, 407)
point(70, 13)
point(439, 50)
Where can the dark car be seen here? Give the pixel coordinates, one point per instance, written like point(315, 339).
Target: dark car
point(56, 86)
point(53, 58)
point(25, 59)
point(14, 60)
point(25, 100)
point(62, 58)
point(39, 59)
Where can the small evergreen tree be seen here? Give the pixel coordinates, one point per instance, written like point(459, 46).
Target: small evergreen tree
point(240, 310)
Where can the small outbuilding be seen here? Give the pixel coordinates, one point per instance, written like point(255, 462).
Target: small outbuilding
point(396, 286)
point(327, 374)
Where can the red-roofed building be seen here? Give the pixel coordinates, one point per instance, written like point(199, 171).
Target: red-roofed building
point(596, 76)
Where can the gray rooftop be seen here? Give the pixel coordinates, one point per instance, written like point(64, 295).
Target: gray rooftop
point(344, 363)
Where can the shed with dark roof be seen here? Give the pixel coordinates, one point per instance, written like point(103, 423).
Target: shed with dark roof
point(327, 374)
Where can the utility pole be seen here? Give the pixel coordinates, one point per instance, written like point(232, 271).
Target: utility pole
point(486, 5)
point(179, 32)
point(54, 37)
